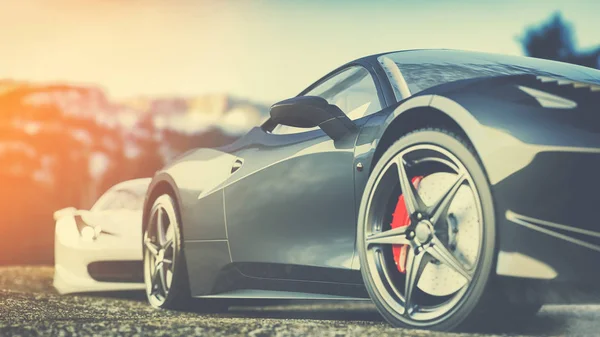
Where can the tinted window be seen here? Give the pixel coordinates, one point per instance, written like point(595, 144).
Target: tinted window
point(423, 69)
point(352, 90)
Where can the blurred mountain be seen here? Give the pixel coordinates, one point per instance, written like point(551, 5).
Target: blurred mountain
point(186, 114)
point(63, 145)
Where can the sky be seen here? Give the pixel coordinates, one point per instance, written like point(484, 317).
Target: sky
point(261, 50)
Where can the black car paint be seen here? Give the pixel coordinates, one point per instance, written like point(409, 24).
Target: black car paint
point(541, 162)
point(560, 184)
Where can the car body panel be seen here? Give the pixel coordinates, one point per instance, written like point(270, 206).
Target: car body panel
point(538, 142)
point(200, 195)
point(274, 178)
point(215, 233)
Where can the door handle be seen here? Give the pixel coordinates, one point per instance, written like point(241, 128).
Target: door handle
point(236, 165)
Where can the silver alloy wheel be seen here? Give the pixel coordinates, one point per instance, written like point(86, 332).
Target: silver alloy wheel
point(159, 251)
point(425, 236)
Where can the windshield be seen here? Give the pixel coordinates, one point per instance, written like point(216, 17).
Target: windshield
point(131, 199)
point(423, 69)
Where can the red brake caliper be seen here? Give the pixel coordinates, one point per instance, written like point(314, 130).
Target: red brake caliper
point(400, 218)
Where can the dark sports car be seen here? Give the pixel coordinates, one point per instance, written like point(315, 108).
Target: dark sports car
point(452, 188)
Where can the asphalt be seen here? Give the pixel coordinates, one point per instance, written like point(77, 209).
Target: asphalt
point(29, 306)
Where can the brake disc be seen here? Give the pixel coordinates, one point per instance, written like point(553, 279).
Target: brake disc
point(461, 233)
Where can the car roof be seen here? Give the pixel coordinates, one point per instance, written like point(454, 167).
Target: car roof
point(373, 57)
point(568, 70)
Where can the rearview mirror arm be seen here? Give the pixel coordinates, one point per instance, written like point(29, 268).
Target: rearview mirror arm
point(337, 128)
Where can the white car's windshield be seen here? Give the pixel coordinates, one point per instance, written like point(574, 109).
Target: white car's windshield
point(119, 199)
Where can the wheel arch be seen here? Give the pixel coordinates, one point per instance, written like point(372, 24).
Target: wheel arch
point(422, 112)
point(442, 112)
point(161, 184)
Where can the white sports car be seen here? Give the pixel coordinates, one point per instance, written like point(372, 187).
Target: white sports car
point(101, 249)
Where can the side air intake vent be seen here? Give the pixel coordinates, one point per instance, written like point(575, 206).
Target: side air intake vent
point(117, 271)
point(576, 85)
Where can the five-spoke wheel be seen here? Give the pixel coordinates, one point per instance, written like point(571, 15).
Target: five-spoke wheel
point(158, 242)
point(448, 233)
point(164, 273)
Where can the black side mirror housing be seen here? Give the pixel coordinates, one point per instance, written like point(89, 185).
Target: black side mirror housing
point(310, 112)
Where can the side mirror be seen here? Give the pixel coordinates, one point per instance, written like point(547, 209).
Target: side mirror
point(310, 112)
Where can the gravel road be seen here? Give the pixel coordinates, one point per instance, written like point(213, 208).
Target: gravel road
point(29, 307)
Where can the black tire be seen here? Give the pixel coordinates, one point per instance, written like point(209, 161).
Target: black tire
point(178, 293)
point(476, 303)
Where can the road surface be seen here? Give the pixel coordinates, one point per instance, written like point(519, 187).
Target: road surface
point(29, 306)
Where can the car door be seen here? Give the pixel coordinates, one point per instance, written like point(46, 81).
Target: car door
point(292, 202)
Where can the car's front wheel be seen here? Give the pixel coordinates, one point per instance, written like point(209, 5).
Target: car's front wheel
point(426, 233)
point(165, 273)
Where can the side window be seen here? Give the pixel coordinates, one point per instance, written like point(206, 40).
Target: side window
point(352, 90)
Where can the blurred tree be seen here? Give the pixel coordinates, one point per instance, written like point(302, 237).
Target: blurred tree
point(63, 145)
point(44, 166)
point(180, 142)
point(137, 155)
point(554, 40)
point(40, 173)
point(149, 160)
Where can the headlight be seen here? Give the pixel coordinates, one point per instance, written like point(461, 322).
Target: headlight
point(87, 232)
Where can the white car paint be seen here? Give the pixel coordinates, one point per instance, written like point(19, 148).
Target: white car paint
point(114, 234)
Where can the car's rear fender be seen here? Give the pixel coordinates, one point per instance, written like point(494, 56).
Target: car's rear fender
point(194, 181)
